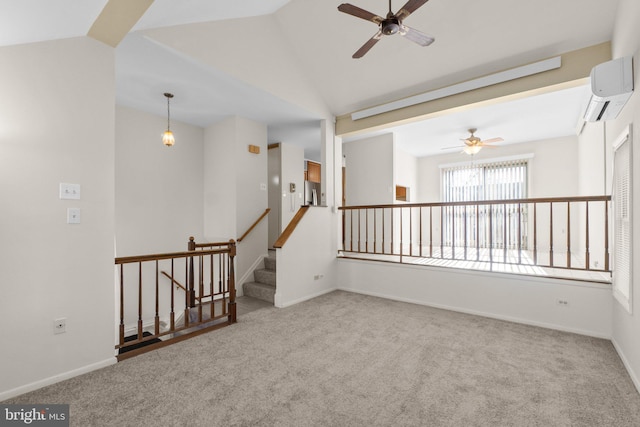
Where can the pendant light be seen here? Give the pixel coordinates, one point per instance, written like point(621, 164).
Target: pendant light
point(167, 136)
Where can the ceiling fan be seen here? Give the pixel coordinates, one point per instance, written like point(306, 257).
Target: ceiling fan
point(473, 144)
point(390, 25)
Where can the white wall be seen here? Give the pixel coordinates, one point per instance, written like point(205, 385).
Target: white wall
point(521, 299)
point(369, 170)
point(307, 261)
point(235, 188)
point(159, 189)
point(220, 181)
point(553, 171)
point(291, 171)
point(57, 125)
point(406, 172)
point(626, 327)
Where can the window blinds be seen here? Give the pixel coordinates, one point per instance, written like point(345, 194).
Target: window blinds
point(492, 181)
point(621, 196)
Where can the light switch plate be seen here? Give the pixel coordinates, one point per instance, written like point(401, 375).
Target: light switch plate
point(73, 216)
point(69, 191)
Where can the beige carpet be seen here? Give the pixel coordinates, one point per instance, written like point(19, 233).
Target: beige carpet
point(345, 359)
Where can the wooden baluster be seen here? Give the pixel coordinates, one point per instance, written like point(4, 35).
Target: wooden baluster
point(366, 231)
point(606, 236)
point(464, 231)
point(232, 283)
point(452, 225)
point(225, 263)
point(504, 232)
point(172, 315)
point(420, 230)
point(351, 230)
point(490, 237)
point(568, 235)
point(535, 233)
point(157, 317)
point(191, 292)
point(121, 340)
point(186, 294)
point(410, 233)
point(211, 287)
point(359, 230)
point(519, 233)
point(477, 232)
point(383, 228)
point(375, 231)
point(200, 288)
point(441, 232)
point(550, 234)
point(430, 231)
point(392, 227)
point(401, 233)
point(587, 261)
point(139, 300)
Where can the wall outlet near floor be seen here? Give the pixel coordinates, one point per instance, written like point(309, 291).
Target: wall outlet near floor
point(318, 276)
point(60, 325)
point(562, 302)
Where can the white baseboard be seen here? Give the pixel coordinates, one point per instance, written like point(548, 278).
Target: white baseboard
point(280, 304)
point(55, 379)
point(627, 365)
point(483, 314)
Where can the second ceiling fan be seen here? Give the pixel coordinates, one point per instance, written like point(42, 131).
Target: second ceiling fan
point(390, 25)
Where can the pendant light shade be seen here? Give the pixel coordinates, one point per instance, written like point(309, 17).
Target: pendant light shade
point(167, 137)
point(472, 149)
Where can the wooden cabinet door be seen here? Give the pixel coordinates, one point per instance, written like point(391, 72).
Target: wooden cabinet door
point(313, 171)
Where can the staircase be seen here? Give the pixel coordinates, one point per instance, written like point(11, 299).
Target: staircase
point(264, 285)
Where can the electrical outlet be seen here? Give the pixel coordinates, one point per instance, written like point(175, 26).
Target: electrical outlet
point(318, 276)
point(562, 302)
point(60, 326)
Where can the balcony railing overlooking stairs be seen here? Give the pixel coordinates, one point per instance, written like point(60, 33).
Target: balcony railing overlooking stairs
point(563, 237)
point(153, 315)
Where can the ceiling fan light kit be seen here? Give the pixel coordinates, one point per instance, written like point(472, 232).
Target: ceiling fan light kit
point(388, 26)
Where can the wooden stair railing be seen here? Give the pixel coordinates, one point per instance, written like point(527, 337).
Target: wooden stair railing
point(540, 232)
point(139, 278)
point(290, 227)
point(250, 229)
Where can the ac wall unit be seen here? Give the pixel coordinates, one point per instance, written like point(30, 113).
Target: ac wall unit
point(611, 88)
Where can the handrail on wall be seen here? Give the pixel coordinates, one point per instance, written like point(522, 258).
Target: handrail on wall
point(246, 233)
point(291, 227)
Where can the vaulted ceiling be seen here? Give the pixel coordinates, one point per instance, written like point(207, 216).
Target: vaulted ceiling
point(288, 63)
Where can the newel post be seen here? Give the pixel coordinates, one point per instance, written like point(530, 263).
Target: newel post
point(191, 292)
point(232, 282)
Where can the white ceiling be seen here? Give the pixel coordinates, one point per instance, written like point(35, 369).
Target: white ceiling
point(473, 38)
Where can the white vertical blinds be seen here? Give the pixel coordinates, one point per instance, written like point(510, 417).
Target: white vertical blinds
point(622, 261)
point(492, 181)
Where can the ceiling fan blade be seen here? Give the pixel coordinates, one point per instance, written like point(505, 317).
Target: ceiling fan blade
point(416, 36)
point(360, 13)
point(368, 45)
point(453, 147)
point(409, 8)
point(489, 141)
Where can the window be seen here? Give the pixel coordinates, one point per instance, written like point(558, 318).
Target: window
point(621, 196)
point(484, 226)
point(490, 181)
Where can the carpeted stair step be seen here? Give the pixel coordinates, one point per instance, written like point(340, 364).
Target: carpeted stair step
point(265, 276)
point(261, 291)
point(270, 263)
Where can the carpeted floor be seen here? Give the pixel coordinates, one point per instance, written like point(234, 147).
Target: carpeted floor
point(345, 359)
